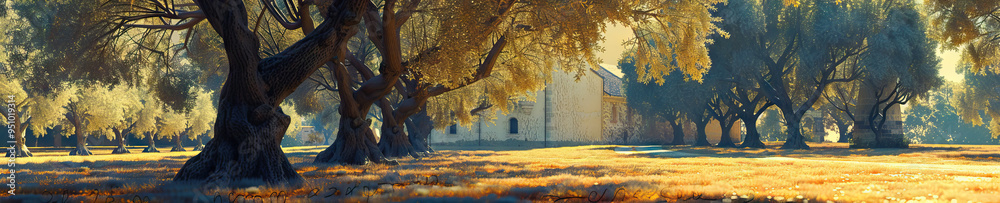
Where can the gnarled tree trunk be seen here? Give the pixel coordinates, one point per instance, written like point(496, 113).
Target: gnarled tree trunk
point(178, 146)
point(845, 133)
point(20, 149)
point(152, 144)
point(752, 139)
point(81, 145)
point(250, 124)
point(81, 137)
point(200, 146)
point(394, 141)
point(120, 137)
point(793, 122)
point(228, 160)
point(355, 143)
point(419, 127)
point(701, 139)
point(725, 139)
point(678, 128)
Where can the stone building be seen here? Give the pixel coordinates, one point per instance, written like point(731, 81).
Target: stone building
point(591, 110)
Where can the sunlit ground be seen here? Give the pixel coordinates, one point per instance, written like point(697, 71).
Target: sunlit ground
point(829, 172)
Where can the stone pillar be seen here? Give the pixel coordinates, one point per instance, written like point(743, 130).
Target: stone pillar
point(549, 126)
point(736, 132)
point(864, 137)
point(816, 128)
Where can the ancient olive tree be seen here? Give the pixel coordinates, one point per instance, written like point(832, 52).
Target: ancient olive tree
point(249, 124)
point(173, 124)
point(722, 105)
point(92, 111)
point(59, 44)
point(509, 52)
point(146, 121)
point(677, 101)
point(735, 56)
point(129, 103)
point(249, 113)
point(798, 49)
point(826, 36)
point(15, 94)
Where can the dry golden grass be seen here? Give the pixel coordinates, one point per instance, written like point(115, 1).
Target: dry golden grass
point(830, 172)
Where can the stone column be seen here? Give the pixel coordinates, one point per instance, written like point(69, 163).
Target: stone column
point(864, 137)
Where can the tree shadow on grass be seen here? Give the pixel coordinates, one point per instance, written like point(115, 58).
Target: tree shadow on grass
point(829, 150)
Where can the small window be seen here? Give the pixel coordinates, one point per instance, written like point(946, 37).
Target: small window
point(513, 125)
point(614, 113)
point(453, 129)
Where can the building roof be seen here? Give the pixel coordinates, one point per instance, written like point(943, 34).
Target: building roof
point(612, 83)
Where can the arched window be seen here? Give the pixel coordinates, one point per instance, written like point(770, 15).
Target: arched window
point(453, 129)
point(513, 125)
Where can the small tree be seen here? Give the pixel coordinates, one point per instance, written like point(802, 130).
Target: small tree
point(173, 124)
point(145, 125)
point(94, 110)
point(130, 104)
point(201, 117)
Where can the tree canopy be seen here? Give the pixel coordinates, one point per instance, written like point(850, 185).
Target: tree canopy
point(973, 28)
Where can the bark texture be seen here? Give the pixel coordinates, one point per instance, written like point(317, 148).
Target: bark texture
point(200, 146)
point(81, 138)
point(795, 139)
point(178, 147)
point(726, 140)
point(419, 127)
point(355, 142)
point(845, 133)
point(20, 149)
point(701, 139)
point(678, 132)
point(355, 145)
point(394, 141)
point(152, 144)
point(752, 139)
point(120, 137)
point(81, 145)
point(250, 124)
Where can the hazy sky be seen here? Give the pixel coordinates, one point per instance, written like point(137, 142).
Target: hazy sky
point(615, 35)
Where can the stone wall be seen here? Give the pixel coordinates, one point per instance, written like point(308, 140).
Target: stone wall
point(864, 137)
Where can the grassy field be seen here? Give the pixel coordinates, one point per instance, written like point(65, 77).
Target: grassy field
point(829, 172)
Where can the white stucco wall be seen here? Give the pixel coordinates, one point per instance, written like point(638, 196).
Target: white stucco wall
point(530, 126)
point(576, 109)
